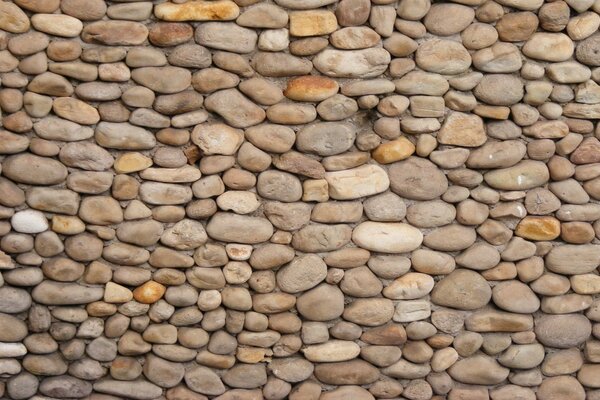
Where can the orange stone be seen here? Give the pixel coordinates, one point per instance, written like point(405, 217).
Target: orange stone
point(311, 88)
point(150, 292)
point(394, 150)
point(538, 228)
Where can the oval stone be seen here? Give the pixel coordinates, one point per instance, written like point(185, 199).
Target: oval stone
point(387, 237)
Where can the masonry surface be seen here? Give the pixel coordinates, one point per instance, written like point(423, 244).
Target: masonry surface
point(303, 199)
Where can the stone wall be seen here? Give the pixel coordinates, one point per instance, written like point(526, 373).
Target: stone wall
point(303, 199)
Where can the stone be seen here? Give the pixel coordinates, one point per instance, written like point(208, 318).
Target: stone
point(538, 228)
point(57, 25)
point(198, 10)
point(417, 178)
point(226, 36)
point(462, 289)
point(524, 175)
point(553, 47)
point(203, 380)
point(358, 182)
point(34, 170)
point(123, 136)
point(478, 370)
point(323, 303)
point(163, 79)
point(367, 63)
point(562, 331)
point(387, 237)
point(149, 293)
point(135, 389)
point(312, 23)
point(58, 293)
point(115, 33)
point(310, 88)
point(565, 387)
point(301, 274)
point(13, 18)
point(443, 57)
point(448, 19)
point(247, 229)
point(29, 221)
point(462, 129)
point(237, 110)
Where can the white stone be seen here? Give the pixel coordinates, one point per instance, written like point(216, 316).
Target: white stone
point(29, 221)
point(332, 351)
point(357, 182)
point(9, 350)
point(387, 237)
point(412, 310)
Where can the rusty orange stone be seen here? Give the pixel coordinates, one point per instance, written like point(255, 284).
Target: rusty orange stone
point(149, 293)
point(311, 88)
point(538, 228)
point(394, 150)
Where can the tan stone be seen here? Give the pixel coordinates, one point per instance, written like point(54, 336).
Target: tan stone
point(197, 10)
point(75, 110)
point(462, 129)
point(131, 162)
point(312, 23)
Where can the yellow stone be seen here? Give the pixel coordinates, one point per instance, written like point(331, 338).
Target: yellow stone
point(223, 10)
point(132, 162)
point(538, 228)
point(312, 23)
point(67, 225)
point(315, 190)
point(394, 150)
point(149, 293)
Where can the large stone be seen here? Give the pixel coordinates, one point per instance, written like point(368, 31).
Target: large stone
point(526, 174)
point(115, 33)
point(562, 331)
point(12, 18)
point(197, 10)
point(217, 138)
point(417, 178)
point(332, 351)
point(58, 293)
point(303, 273)
point(226, 36)
point(478, 370)
point(551, 47)
point(366, 63)
point(443, 57)
point(163, 79)
point(385, 237)
point(134, 389)
point(34, 170)
point(323, 303)
point(358, 182)
point(53, 128)
point(235, 108)
point(227, 227)
point(462, 289)
point(203, 380)
point(325, 138)
point(573, 259)
point(460, 129)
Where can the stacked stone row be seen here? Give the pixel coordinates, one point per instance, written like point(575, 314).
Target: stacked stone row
point(303, 199)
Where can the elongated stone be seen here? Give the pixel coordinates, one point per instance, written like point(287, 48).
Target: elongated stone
point(197, 10)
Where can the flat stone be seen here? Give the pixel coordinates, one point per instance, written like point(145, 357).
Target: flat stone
point(312, 23)
point(203, 380)
point(462, 129)
point(332, 351)
point(226, 36)
point(236, 109)
point(387, 237)
point(325, 138)
point(443, 57)
point(123, 136)
point(551, 47)
point(367, 63)
point(562, 331)
point(13, 19)
point(573, 259)
point(524, 175)
point(462, 289)
point(163, 79)
point(417, 178)
point(136, 389)
point(302, 273)
point(34, 170)
point(310, 88)
point(158, 193)
point(115, 33)
point(59, 293)
point(478, 370)
point(53, 128)
point(57, 24)
point(198, 10)
point(228, 227)
point(538, 228)
point(358, 182)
